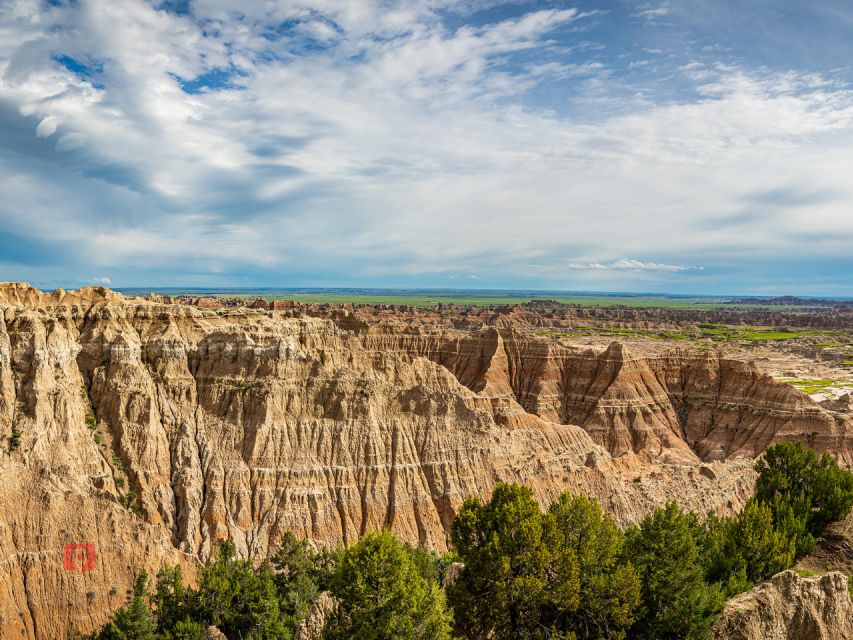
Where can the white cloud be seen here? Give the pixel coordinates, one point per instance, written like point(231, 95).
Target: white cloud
point(650, 12)
point(630, 265)
point(398, 146)
point(103, 280)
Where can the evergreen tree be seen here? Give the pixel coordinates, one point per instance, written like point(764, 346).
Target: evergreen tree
point(746, 549)
point(609, 587)
point(239, 599)
point(173, 602)
point(186, 629)
point(805, 492)
point(382, 595)
point(300, 576)
point(516, 581)
point(676, 601)
point(134, 621)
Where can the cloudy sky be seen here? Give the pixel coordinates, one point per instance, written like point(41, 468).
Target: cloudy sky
point(683, 146)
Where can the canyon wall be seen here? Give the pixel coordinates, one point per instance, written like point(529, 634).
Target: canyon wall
point(153, 431)
point(685, 404)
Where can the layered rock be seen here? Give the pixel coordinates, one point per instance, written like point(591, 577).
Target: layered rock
point(687, 405)
point(242, 424)
point(22, 294)
point(788, 606)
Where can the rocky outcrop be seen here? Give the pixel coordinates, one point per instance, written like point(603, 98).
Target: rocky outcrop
point(834, 549)
point(22, 294)
point(213, 633)
point(311, 626)
point(788, 606)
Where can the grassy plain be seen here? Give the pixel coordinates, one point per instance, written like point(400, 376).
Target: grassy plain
point(472, 297)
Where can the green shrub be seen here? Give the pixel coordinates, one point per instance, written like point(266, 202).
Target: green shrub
point(504, 545)
point(15, 439)
point(135, 621)
point(382, 594)
point(241, 601)
point(676, 600)
point(609, 587)
point(746, 549)
point(804, 492)
point(300, 576)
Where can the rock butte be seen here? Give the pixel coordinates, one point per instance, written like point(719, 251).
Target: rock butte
point(243, 424)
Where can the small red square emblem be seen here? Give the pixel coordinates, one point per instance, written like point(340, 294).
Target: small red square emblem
point(80, 557)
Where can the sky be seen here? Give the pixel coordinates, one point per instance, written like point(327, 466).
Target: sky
point(689, 146)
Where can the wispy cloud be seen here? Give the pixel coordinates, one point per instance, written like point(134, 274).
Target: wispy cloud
point(653, 12)
point(630, 265)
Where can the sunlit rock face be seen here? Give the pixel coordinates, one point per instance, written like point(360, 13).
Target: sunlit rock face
point(243, 424)
point(789, 606)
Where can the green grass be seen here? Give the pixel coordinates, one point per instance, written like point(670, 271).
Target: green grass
point(808, 573)
point(814, 386)
point(652, 334)
point(714, 332)
point(426, 300)
point(773, 334)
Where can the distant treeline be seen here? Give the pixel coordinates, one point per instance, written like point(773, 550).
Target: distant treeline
point(567, 572)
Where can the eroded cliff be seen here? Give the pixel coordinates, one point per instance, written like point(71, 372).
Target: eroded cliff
point(685, 404)
point(154, 430)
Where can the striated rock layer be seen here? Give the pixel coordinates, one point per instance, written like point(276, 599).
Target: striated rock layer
point(152, 431)
point(788, 606)
point(686, 404)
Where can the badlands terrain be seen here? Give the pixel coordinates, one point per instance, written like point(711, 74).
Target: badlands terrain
point(154, 427)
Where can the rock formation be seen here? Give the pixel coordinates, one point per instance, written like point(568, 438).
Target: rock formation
point(311, 626)
point(152, 431)
point(683, 404)
point(788, 606)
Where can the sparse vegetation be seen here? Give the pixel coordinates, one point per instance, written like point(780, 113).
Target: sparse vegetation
point(703, 332)
point(91, 420)
point(810, 386)
point(131, 501)
point(14, 439)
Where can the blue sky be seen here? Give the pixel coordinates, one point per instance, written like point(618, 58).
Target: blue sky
point(683, 146)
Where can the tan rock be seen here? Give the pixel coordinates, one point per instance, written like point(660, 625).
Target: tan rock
point(451, 576)
point(242, 424)
point(212, 633)
point(788, 606)
point(311, 626)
